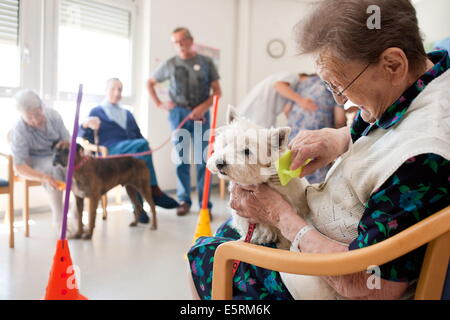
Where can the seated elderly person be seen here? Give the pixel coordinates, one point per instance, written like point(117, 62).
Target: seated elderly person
point(118, 131)
point(32, 140)
point(392, 167)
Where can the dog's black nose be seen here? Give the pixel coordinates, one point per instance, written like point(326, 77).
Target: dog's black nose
point(221, 165)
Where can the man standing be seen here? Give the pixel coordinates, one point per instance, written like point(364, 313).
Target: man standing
point(192, 77)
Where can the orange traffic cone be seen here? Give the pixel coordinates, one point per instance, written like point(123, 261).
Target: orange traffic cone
point(203, 225)
point(62, 284)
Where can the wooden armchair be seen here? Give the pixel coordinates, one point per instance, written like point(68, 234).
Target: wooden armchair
point(26, 185)
point(434, 230)
point(7, 187)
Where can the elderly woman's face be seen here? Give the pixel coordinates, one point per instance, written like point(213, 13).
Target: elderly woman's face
point(34, 117)
point(363, 84)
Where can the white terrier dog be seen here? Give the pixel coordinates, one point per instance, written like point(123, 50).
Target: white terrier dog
point(245, 154)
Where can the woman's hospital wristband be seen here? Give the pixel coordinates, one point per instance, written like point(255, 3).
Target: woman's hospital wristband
point(299, 236)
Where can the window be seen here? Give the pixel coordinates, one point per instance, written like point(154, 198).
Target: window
point(94, 45)
point(9, 66)
point(9, 48)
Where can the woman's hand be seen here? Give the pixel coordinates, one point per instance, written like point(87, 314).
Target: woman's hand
point(323, 146)
point(262, 204)
point(92, 123)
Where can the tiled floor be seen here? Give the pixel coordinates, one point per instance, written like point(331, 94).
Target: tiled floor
point(118, 263)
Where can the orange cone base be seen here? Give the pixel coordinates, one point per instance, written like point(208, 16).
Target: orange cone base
point(203, 226)
point(62, 283)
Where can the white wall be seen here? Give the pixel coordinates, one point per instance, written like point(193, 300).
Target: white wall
point(434, 20)
point(262, 21)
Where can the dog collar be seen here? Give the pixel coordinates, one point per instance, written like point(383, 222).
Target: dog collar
point(82, 162)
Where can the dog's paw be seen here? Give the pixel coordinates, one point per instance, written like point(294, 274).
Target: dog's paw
point(133, 224)
point(87, 236)
point(77, 235)
point(153, 227)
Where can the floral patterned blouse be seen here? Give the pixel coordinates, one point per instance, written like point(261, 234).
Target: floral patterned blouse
point(419, 188)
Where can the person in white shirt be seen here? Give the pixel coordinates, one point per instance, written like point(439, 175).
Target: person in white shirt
point(267, 99)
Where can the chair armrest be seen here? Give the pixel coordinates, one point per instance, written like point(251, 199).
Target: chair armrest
point(10, 166)
point(331, 264)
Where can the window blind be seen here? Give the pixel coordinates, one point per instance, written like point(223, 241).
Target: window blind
point(9, 21)
point(95, 16)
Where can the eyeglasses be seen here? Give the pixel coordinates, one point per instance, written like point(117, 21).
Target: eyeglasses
point(335, 90)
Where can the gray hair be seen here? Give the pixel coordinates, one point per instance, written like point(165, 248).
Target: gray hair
point(27, 100)
point(342, 28)
point(111, 80)
point(187, 33)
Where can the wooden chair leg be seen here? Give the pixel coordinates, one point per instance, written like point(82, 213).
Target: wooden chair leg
point(11, 220)
point(104, 206)
point(222, 188)
point(118, 195)
point(26, 209)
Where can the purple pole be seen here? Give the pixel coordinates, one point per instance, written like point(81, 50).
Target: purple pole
point(71, 163)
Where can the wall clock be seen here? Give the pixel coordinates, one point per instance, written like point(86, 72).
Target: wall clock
point(276, 48)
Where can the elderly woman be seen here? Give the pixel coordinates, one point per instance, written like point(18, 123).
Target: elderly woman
point(392, 169)
point(32, 141)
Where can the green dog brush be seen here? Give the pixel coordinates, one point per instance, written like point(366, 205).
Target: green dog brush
point(284, 173)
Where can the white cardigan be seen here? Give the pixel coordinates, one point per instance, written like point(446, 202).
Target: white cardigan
point(337, 205)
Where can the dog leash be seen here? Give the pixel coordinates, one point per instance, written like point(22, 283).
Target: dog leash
point(139, 154)
point(82, 163)
point(248, 237)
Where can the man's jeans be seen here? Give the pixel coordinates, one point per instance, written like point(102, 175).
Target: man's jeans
point(182, 140)
point(136, 146)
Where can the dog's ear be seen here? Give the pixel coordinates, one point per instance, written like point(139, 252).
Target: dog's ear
point(80, 149)
point(279, 137)
point(232, 114)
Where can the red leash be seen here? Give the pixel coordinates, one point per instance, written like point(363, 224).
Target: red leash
point(82, 162)
point(248, 237)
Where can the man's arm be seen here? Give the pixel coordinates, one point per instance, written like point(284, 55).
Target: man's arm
point(151, 83)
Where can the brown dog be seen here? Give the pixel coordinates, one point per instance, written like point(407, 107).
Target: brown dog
point(93, 177)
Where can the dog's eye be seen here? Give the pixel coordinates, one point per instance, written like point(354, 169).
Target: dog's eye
point(247, 152)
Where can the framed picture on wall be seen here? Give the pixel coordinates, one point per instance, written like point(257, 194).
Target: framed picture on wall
point(208, 51)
